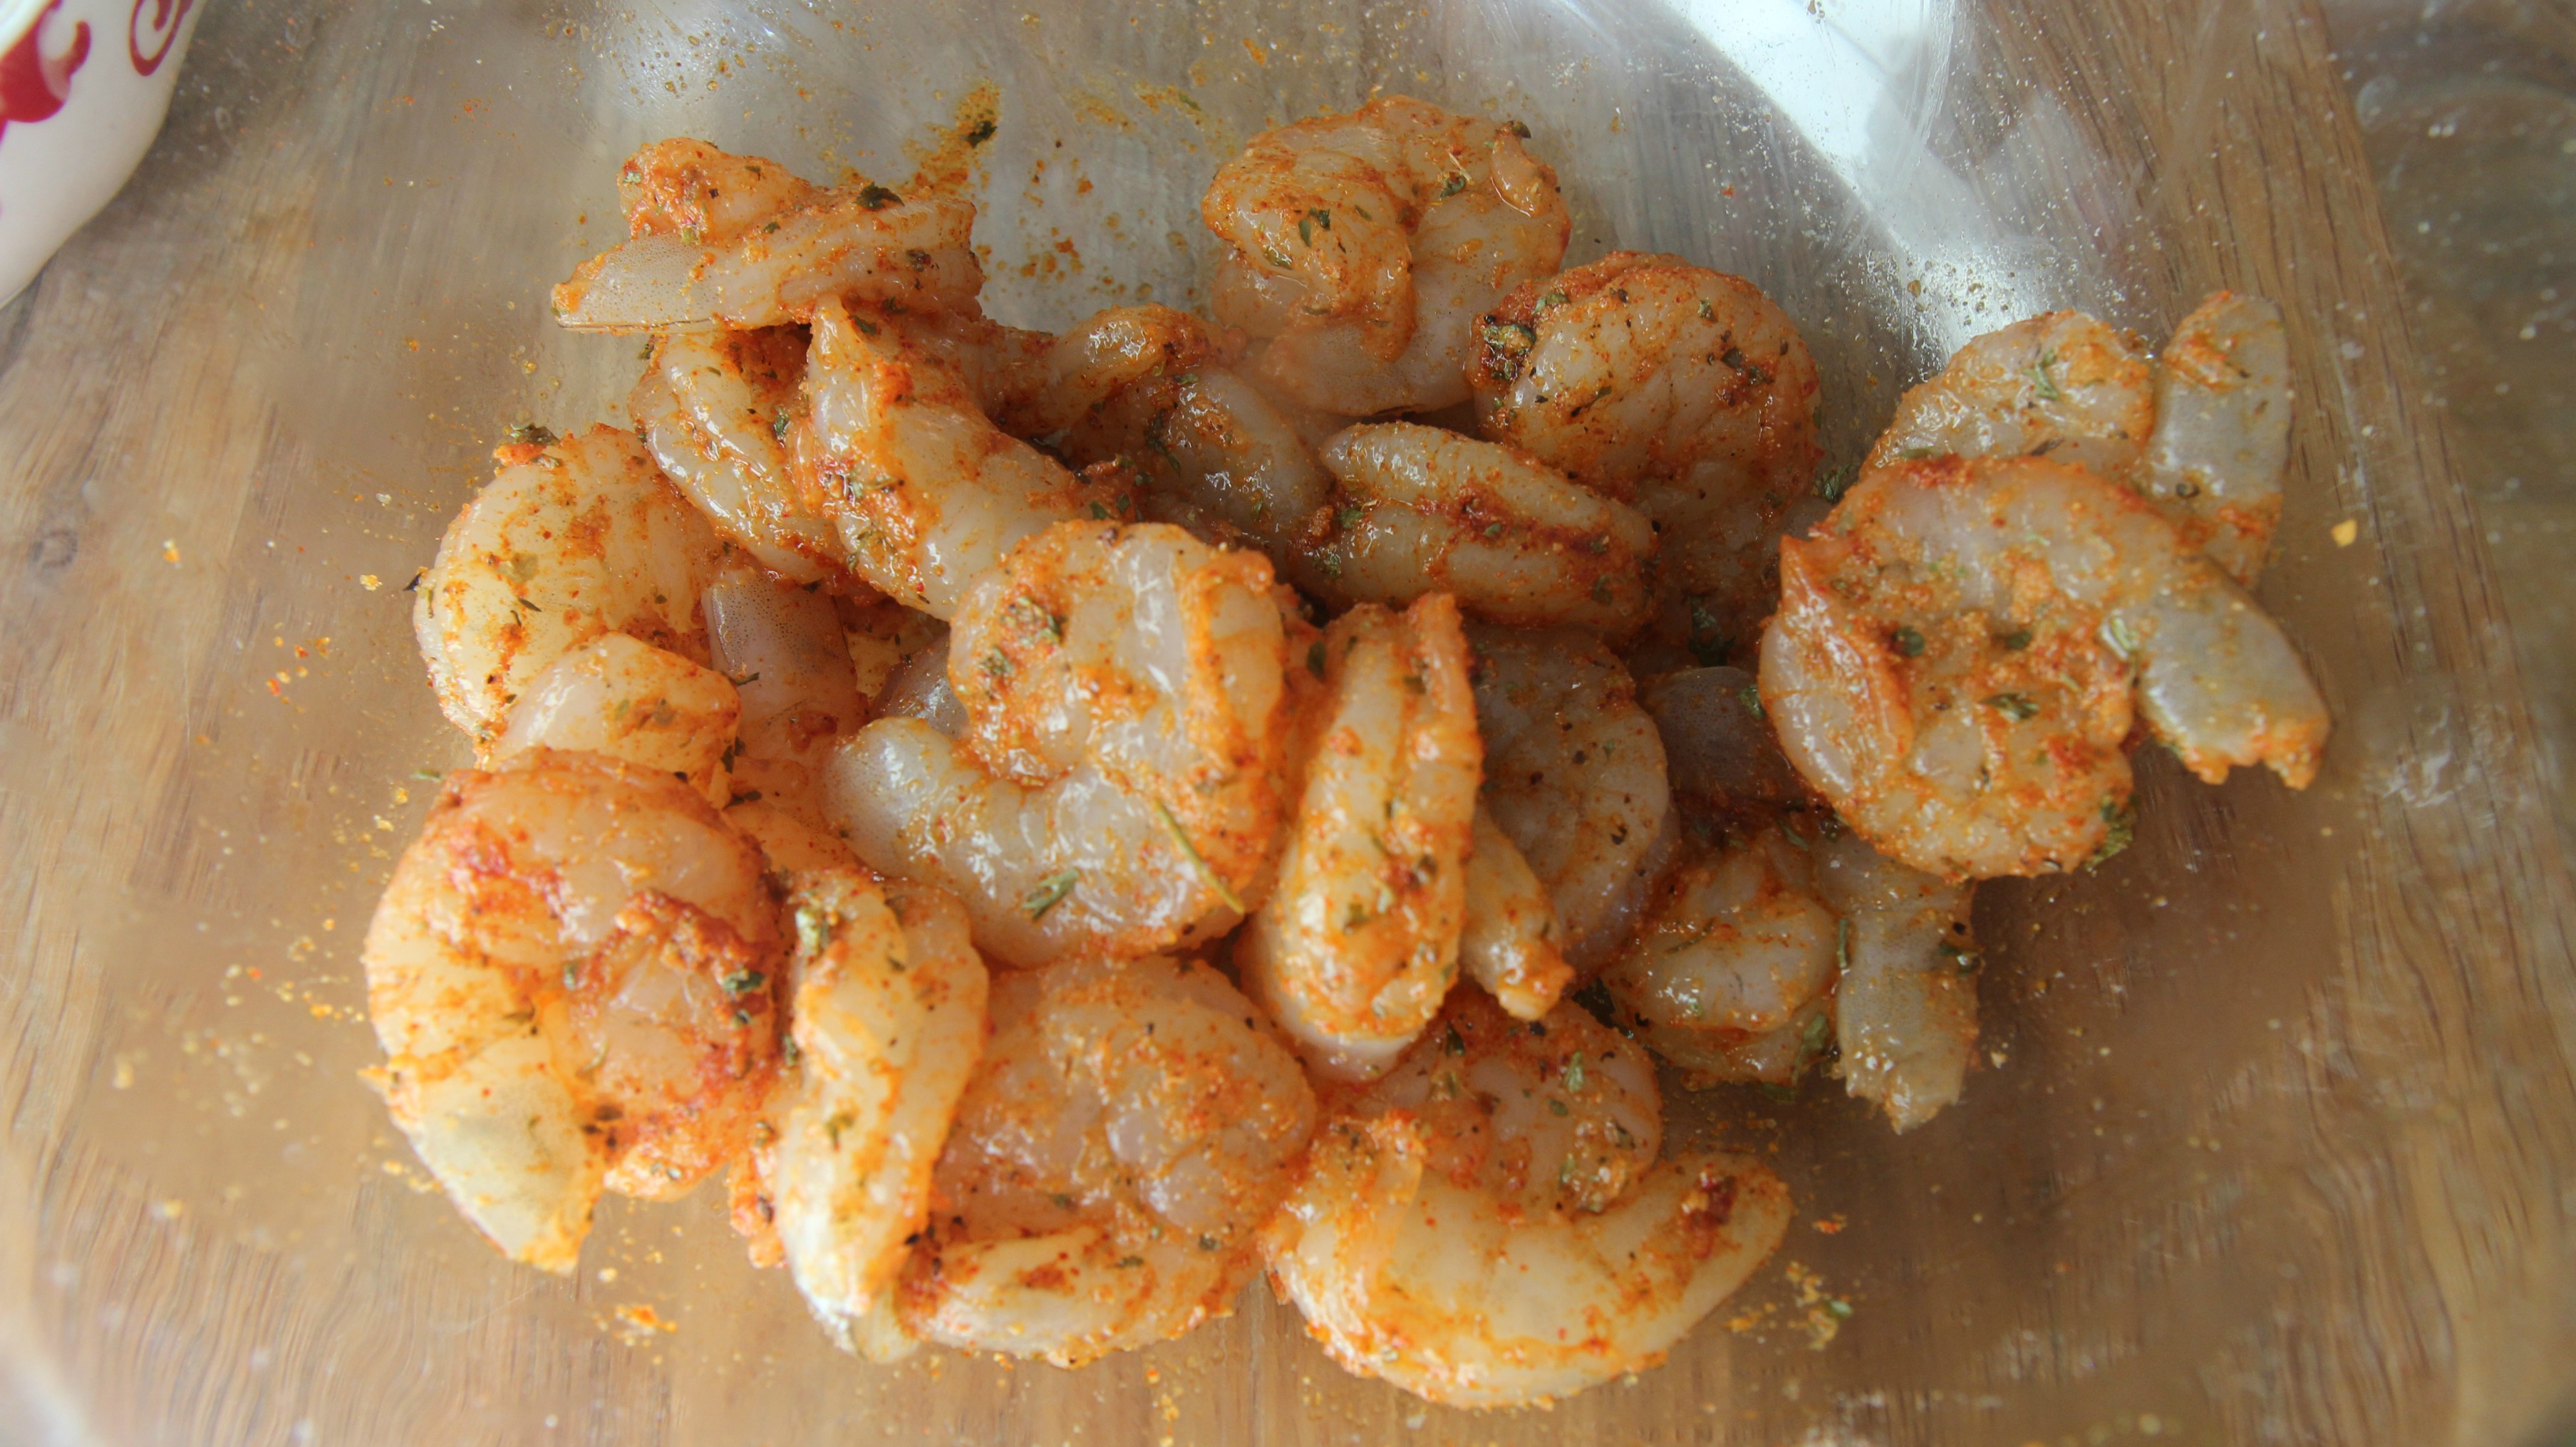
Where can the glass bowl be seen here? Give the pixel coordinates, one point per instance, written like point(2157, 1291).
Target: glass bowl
point(2274, 1137)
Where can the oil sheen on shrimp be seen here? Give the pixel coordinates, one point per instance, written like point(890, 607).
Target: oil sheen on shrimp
point(1131, 1127)
point(714, 407)
point(1509, 940)
point(1962, 645)
point(1489, 1226)
point(635, 703)
point(2203, 431)
point(1115, 786)
point(1679, 389)
point(1366, 244)
point(894, 448)
point(783, 649)
point(1421, 510)
point(888, 1008)
point(766, 249)
point(1574, 775)
point(572, 974)
point(570, 540)
point(1358, 943)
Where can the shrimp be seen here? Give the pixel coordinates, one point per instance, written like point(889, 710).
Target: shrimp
point(1425, 511)
point(681, 186)
point(888, 1005)
point(714, 408)
point(1149, 386)
point(782, 647)
point(570, 540)
point(1358, 944)
point(1905, 1006)
point(1366, 244)
point(1962, 645)
point(635, 703)
point(1131, 1127)
point(1489, 1226)
point(919, 689)
point(1718, 748)
point(1682, 390)
point(894, 448)
point(571, 973)
point(1574, 776)
point(1508, 941)
point(2202, 432)
point(1115, 784)
point(766, 253)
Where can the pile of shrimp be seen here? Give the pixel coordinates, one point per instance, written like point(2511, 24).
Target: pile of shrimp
point(1020, 805)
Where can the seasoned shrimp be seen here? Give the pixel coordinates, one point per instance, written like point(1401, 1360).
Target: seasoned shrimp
point(683, 187)
point(888, 1010)
point(1718, 748)
point(1115, 785)
point(572, 974)
point(1424, 511)
point(783, 649)
point(1131, 1127)
point(1574, 774)
point(1366, 244)
point(713, 408)
point(571, 539)
point(2203, 432)
point(1905, 1008)
point(1682, 390)
point(1148, 386)
point(1358, 943)
point(777, 250)
point(1509, 940)
point(1488, 1226)
point(634, 703)
point(894, 448)
point(1961, 646)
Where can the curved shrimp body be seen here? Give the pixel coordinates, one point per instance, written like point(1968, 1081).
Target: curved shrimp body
point(895, 450)
point(1110, 355)
point(714, 409)
point(783, 649)
point(888, 1006)
point(1509, 940)
point(685, 186)
point(1130, 1128)
point(1367, 243)
point(569, 541)
point(1116, 783)
point(1358, 943)
point(1421, 510)
point(635, 703)
point(859, 242)
point(1683, 390)
point(571, 974)
point(1488, 1226)
point(1574, 775)
point(1905, 1007)
point(2203, 432)
point(1960, 648)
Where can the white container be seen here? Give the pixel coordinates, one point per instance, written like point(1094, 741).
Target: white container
point(83, 87)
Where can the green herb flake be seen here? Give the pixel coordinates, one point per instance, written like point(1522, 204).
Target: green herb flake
point(1907, 641)
point(1962, 958)
point(532, 434)
point(1833, 482)
point(1049, 893)
point(1198, 861)
point(1556, 1107)
point(1315, 658)
point(1456, 183)
point(1552, 299)
point(778, 426)
point(2016, 706)
point(1751, 697)
point(2043, 384)
point(1574, 1073)
point(877, 198)
point(982, 132)
point(2123, 831)
point(743, 982)
point(2015, 641)
point(2120, 638)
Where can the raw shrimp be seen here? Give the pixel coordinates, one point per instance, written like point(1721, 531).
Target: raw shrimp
point(572, 974)
point(634, 703)
point(1131, 1127)
point(1147, 385)
point(894, 448)
point(1574, 774)
point(1960, 648)
point(1423, 511)
point(1719, 750)
point(778, 249)
point(1366, 244)
point(714, 409)
point(2203, 432)
point(782, 646)
point(1682, 390)
point(1509, 941)
point(1489, 1226)
point(919, 689)
point(1115, 786)
point(687, 187)
point(1905, 1009)
point(888, 1011)
point(1359, 941)
point(571, 539)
